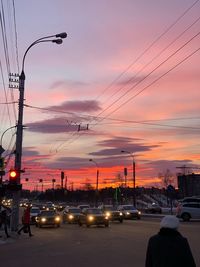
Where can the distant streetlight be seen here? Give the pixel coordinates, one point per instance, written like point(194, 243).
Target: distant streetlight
point(97, 182)
point(18, 155)
point(133, 164)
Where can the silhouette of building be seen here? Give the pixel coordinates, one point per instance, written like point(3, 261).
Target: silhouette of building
point(189, 184)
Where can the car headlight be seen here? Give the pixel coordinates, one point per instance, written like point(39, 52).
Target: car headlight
point(127, 213)
point(71, 217)
point(57, 219)
point(90, 218)
point(121, 214)
point(139, 212)
point(108, 214)
point(43, 219)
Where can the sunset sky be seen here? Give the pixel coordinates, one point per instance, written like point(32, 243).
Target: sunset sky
point(129, 71)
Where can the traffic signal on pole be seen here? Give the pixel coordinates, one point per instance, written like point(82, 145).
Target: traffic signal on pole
point(13, 176)
point(62, 175)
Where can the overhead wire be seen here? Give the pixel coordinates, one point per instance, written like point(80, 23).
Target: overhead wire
point(154, 81)
point(148, 48)
point(146, 122)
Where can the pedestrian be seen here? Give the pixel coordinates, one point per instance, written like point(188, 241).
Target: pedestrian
point(169, 248)
point(4, 214)
point(26, 222)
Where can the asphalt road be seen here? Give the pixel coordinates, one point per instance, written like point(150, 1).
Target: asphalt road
point(120, 245)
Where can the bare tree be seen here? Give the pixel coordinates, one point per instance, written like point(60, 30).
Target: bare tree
point(167, 178)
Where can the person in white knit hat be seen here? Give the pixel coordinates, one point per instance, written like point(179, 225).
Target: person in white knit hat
point(169, 248)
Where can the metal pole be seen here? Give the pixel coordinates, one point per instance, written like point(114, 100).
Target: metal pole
point(97, 188)
point(133, 163)
point(134, 197)
point(19, 134)
point(18, 154)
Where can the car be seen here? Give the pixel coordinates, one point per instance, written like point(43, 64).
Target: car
point(93, 216)
point(190, 199)
point(113, 213)
point(71, 214)
point(188, 210)
point(129, 212)
point(48, 217)
point(34, 212)
point(83, 206)
point(60, 206)
point(153, 208)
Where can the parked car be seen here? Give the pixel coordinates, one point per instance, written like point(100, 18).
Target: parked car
point(129, 212)
point(113, 213)
point(188, 210)
point(153, 208)
point(34, 212)
point(71, 214)
point(93, 216)
point(48, 217)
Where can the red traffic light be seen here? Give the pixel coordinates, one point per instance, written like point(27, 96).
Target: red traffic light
point(13, 176)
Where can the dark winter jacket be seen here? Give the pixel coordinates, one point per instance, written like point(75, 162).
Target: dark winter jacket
point(169, 249)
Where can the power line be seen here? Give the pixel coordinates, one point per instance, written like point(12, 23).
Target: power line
point(149, 47)
point(157, 79)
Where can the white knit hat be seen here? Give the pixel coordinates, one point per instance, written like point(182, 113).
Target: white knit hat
point(170, 221)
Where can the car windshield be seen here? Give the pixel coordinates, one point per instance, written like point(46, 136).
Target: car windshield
point(35, 210)
point(75, 210)
point(47, 213)
point(129, 208)
point(94, 211)
point(110, 208)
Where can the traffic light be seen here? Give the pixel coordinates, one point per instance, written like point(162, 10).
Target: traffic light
point(13, 176)
point(62, 175)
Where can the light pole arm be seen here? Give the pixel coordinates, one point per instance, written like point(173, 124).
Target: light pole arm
point(37, 42)
point(4, 133)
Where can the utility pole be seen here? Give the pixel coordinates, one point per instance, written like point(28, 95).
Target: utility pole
point(19, 134)
point(18, 154)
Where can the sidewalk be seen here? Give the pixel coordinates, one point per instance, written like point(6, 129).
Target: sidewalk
point(4, 240)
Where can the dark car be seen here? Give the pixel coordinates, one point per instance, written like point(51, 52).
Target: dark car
point(83, 206)
point(129, 212)
point(48, 217)
point(153, 208)
point(93, 216)
point(71, 215)
point(113, 213)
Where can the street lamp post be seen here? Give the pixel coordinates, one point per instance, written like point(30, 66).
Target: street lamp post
point(18, 154)
point(133, 173)
point(97, 182)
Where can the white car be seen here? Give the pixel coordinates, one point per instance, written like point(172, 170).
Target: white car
point(188, 210)
point(34, 212)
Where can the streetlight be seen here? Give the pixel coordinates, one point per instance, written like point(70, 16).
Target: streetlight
point(133, 162)
point(57, 38)
point(97, 181)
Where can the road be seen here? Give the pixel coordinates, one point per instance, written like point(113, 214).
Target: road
point(120, 245)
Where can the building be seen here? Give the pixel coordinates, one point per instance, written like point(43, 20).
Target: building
point(189, 184)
